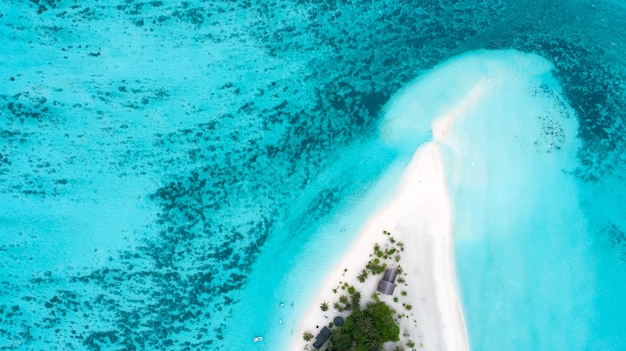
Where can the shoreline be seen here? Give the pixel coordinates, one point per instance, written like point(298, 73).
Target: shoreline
point(426, 298)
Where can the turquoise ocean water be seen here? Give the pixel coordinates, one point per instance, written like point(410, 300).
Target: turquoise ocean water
point(172, 173)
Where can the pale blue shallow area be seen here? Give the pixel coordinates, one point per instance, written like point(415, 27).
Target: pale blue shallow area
point(535, 271)
point(182, 175)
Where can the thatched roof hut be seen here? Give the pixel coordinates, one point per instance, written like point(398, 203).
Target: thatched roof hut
point(322, 338)
point(390, 275)
point(386, 285)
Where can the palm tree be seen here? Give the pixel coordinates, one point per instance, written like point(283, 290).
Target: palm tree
point(324, 306)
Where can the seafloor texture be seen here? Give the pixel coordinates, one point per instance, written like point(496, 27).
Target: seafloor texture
point(155, 155)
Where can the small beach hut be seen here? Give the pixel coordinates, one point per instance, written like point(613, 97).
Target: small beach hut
point(390, 275)
point(322, 338)
point(338, 321)
point(386, 285)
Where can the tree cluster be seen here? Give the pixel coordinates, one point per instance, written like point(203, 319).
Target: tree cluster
point(366, 330)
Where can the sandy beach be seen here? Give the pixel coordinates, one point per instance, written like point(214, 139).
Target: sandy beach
point(426, 298)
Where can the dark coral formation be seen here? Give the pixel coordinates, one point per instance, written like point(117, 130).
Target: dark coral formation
point(335, 64)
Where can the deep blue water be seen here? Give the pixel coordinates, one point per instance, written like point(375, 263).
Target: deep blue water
point(170, 173)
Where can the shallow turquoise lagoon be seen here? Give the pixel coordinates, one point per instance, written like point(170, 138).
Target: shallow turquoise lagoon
point(537, 260)
point(182, 175)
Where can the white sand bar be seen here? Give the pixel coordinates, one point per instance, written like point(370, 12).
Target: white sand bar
point(420, 216)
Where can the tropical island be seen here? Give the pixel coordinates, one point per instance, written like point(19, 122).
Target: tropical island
point(368, 326)
point(394, 291)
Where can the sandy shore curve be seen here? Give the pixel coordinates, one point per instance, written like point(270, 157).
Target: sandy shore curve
point(426, 299)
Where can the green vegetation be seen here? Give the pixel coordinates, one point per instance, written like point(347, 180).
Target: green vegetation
point(348, 303)
point(307, 336)
point(375, 266)
point(356, 300)
point(363, 276)
point(366, 330)
point(387, 253)
point(401, 246)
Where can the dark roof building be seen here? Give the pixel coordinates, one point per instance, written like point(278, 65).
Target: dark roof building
point(386, 285)
point(338, 321)
point(322, 338)
point(386, 288)
point(390, 275)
